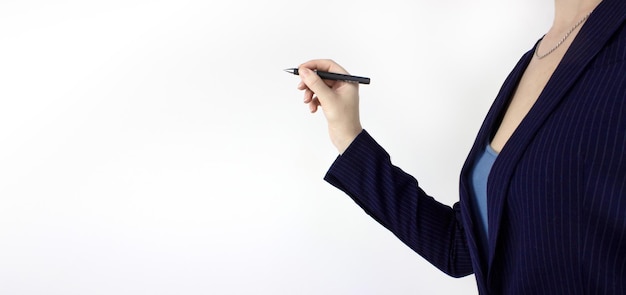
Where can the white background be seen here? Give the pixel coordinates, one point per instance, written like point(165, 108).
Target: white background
point(157, 147)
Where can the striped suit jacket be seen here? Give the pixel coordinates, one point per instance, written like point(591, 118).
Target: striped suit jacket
point(556, 193)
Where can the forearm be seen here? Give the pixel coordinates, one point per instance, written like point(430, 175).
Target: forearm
point(394, 199)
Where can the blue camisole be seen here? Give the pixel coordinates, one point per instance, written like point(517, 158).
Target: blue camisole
point(480, 174)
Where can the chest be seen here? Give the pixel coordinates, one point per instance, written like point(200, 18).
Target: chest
point(530, 86)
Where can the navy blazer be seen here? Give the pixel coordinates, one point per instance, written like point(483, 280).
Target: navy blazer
point(556, 193)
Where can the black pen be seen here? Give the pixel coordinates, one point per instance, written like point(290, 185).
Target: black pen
point(334, 76)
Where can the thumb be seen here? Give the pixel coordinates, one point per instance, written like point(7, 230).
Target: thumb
point(315, 83)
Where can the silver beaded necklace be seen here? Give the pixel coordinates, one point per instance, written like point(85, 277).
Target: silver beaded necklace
point(580, 22)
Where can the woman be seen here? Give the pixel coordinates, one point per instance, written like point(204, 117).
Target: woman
point(542, 205)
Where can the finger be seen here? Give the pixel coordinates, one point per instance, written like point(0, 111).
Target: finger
point(330, 83)
point(313, 105)
point(324, 65)
point(308, 95)
point(314, 83)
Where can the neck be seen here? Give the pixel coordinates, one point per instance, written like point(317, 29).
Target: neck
point(567, 12)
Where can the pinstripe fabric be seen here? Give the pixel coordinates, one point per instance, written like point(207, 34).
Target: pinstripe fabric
point(556, 193)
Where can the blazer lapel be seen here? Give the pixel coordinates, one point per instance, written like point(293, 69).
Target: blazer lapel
point(493, 116)
point(597, 30)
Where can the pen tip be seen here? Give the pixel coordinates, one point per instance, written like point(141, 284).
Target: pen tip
point(291, 70)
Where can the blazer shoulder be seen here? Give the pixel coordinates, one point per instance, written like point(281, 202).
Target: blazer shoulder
point(614, 50)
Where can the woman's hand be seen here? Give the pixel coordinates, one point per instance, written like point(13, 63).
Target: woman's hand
point(339, 101)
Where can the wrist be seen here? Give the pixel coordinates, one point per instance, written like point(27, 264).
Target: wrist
point(342, 139)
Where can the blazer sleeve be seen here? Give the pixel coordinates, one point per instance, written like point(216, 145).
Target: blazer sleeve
point(394, 199)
